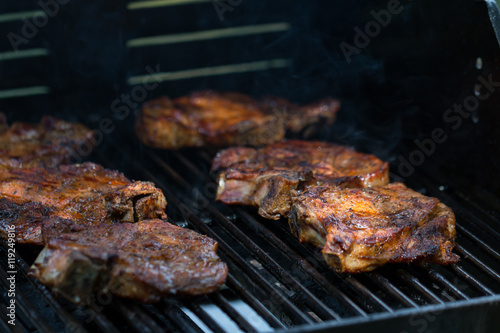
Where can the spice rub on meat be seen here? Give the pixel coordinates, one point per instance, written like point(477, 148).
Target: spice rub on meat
point(266, 177)
point(360, 229)
point(50, 143)
point(85, 193)
point(144, 261)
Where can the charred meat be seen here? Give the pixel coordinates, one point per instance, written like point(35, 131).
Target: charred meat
point(222, 119)
point(86, 193)
point(144, 261)
point(360, 229)
point(48, 144)
point(266, 177)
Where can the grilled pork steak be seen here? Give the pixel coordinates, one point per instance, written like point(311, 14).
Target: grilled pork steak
point(209, 118)
point(48, 144)
point(145, 261)
point(360, 229)
point(299, 117)
point(86, 193)
point(206, 119)
point(266, 177)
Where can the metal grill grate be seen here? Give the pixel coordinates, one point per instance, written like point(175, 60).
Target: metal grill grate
point(274, 283)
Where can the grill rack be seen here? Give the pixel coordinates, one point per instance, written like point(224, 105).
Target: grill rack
point(275, 283)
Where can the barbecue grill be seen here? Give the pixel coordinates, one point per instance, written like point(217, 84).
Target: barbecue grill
point(404, 72)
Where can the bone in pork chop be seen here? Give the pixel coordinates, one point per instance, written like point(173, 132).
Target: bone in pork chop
point(222, 119)
point(85, 193)
point(206, 119)
point(145, 261)
point(48, 144)
point(360, 229)
point(266, 177)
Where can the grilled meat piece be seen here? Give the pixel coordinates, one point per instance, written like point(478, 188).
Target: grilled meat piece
point(86, 193)
point(145, 261)
point(360, 229)
point(48, 144)
point(206, 119)
point(27, 217)
point(221, 119)
point(266, 177)
point(301, 118)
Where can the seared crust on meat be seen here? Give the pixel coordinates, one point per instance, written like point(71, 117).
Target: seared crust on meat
point(265, 177)
point(206, 118)
point(27, 217)
point(86, 193)
point(48, 144)
point(360, 229)
point(145, 261)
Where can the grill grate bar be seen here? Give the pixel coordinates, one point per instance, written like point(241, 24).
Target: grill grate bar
point(311, 300)
point(253, 302)
point(475, 221)
point(25, 305)
point(136, 318)
point(178, 317)
point(458, 209)
point(475, 205)
point(206, 318)
point(473, 281)
point(393, 290)
point(443, 281)
point(193, 168)
point(171, 325)
point(146, 318)
point(104, 323)
point(298, 315)
point(18, 328)
point(410, 279)
point(359, 286)
point(223, 303)
point(485, 268)
point(477, 241)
